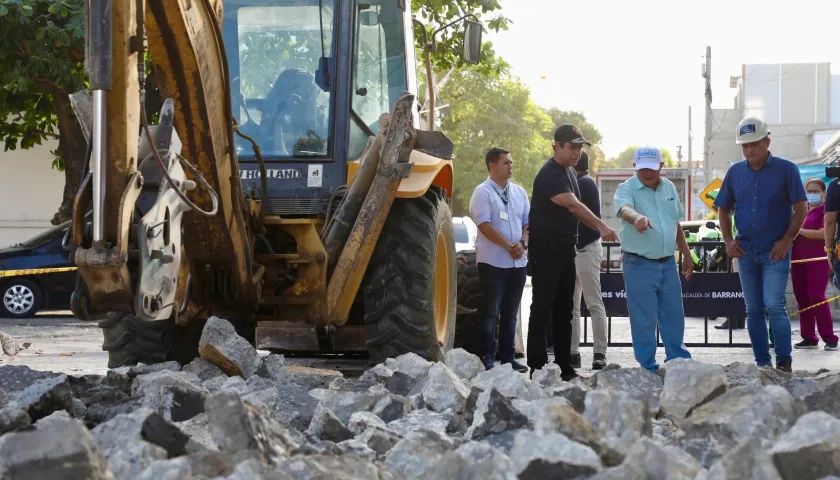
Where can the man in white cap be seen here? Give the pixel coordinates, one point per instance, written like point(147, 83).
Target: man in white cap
point(650, 209)
point(772, 207)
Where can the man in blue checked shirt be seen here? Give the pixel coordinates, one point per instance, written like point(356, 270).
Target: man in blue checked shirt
point(772, 207)
point(500, 209)
point(650, 209)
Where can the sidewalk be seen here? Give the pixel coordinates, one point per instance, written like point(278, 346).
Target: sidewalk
point(694, 333)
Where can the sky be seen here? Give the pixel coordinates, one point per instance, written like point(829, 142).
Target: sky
point(634, 67)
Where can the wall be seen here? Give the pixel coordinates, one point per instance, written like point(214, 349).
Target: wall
point(30, 192)
point(798, 143)
point(788, 94)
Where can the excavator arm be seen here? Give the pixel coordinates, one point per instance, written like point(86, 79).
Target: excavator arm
point(130, 260)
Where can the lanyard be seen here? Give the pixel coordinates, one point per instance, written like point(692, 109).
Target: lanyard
point(505, 197)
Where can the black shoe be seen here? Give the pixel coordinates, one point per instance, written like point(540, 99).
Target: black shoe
point(599, 362)
point(575, 363)
point(569, 377)
point(488, 361)
point(831, 346)
point(517, 367)
point(807, 345)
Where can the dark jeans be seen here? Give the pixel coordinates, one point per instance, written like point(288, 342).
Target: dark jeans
point(553, 287)
point(502, 294)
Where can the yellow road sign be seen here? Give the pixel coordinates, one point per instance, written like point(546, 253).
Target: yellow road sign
point(709, 193)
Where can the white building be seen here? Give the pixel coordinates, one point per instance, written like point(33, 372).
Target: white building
point(800, 102)
point(30, 192)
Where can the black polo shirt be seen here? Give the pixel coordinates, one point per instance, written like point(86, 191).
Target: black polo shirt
point(547, 220)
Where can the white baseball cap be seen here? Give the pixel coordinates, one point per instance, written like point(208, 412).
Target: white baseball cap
point(647, 157)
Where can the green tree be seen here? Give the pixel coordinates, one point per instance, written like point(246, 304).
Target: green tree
point(447, 54)
point(486, 112)
point(625, 158)
point(561, 117)
point(42, 58)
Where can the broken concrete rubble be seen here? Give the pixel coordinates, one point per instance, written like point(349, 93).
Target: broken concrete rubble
point(233, 415)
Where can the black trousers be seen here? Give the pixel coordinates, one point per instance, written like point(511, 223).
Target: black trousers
point(552, 288)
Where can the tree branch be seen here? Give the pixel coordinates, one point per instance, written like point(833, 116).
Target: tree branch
point(46, 134)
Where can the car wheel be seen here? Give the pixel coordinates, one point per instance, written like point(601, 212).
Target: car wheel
point(20, 299)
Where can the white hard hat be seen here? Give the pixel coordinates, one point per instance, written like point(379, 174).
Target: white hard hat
point(751, 129)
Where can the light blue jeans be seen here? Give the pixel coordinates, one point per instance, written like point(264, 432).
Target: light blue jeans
point(654, 293)
point(764, 283)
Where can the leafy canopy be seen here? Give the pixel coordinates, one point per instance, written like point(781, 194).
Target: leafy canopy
point(437, 13)
point(625, 158)
point(485, 112)
point(41, 57)
point(561, 117)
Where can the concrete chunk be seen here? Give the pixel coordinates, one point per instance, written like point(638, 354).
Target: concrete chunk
point(67, 451)
point(223, 347)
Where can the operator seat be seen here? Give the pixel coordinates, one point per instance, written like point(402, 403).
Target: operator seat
point(291, 111)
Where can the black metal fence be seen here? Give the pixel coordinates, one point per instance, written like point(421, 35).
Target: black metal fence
point(715, 293)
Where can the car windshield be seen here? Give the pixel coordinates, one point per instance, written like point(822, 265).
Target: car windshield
point(275, 55)
point(461, 233)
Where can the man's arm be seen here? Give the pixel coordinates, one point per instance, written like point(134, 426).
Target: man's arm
point(725, 219)
point(525, 215)
point(799, 200)
point(725, 201)
point(625, 208)
point(682, 244)
point(800, 212)
point(579, 210)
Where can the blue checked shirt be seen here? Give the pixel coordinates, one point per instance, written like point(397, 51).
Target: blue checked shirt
point(487, 205)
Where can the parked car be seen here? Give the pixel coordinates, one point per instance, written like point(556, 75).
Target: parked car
point(24, 294)
point(465, 233)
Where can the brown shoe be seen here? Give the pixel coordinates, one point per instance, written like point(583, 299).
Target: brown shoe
point(785, 366)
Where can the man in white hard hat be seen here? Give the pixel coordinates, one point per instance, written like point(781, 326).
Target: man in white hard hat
point(772, 207)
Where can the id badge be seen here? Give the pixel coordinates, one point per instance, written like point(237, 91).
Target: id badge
point(504, 215)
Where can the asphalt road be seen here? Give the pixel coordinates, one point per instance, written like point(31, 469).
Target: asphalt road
point(62, 343)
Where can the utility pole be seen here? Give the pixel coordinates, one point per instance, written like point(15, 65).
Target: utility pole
point(679, 156)
point(690, 140)
point(707, 74)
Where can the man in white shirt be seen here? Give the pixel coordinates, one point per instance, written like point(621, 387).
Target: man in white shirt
point(500, 210)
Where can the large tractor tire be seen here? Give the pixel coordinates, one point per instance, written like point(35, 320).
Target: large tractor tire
point(470, 301)
point(411, 284)
point(130, 340)
point(470, 298)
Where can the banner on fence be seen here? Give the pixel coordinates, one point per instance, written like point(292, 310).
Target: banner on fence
point(715, 294)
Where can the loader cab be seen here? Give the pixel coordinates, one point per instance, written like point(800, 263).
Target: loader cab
point(309, 80)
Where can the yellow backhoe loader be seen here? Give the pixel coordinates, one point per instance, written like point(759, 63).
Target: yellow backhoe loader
point(286, 185)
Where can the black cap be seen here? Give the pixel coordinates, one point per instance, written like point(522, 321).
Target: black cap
point(570, 134)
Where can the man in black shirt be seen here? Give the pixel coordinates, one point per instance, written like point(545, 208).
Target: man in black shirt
point(556, 211)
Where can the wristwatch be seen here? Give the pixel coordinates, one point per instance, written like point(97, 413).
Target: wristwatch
point(524, 244)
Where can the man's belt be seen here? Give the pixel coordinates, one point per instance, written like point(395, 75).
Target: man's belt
point(660, 260)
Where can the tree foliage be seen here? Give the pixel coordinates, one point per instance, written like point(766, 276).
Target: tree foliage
point(489, 112)
point(447, 54)
point(42, 62)
point(625, 158)
point(561, 117)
